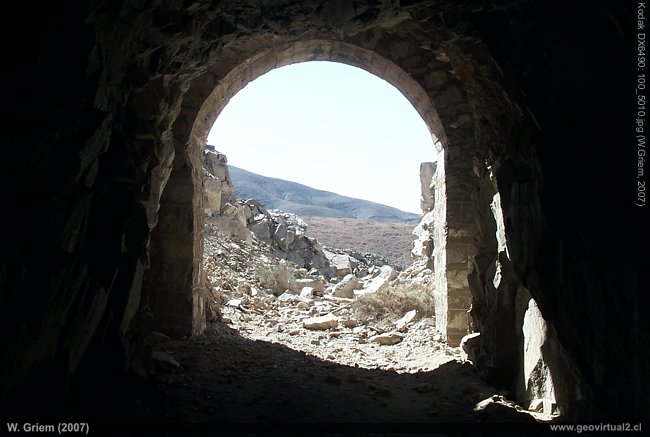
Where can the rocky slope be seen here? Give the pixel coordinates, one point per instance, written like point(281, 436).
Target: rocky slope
point(286, 233)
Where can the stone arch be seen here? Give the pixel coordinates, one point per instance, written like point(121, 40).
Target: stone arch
point(176, 299)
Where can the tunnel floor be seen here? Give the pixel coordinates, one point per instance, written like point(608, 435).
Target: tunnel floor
point(225, 378)
point(256, 363)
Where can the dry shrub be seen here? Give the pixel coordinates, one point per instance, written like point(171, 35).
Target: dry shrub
point(396, 300)
point(278, 278)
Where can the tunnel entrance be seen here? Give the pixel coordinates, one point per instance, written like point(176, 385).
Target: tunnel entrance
point(176, 243)
point(333, 297)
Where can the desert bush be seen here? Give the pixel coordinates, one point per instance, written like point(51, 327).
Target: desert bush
point(278, 278)
point(394, 301)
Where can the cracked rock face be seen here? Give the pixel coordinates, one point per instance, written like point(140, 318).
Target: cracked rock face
point(219, 201)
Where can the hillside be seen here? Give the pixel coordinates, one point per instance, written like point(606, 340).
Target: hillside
point(305, 201)
point(390, 240)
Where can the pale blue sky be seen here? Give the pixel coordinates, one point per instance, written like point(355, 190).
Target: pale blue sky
point(330, 126)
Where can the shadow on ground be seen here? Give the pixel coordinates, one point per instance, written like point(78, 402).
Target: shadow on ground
point(229, 384)
point(233, 383)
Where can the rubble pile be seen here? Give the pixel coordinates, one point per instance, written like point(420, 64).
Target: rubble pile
point(314, 298)
point(318, 317)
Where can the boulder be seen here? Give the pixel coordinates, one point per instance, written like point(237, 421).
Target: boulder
point(288, 297)
point(379, 283)
point(341, 262)
point(284, 233)
point(387, 339)
point(234, 303)
point(261, 228)
point(314, 283)
point(280, 233)
point(350, 323)
point(346, 287)
point(321, 323)
point(307, 292)
point(402, 323)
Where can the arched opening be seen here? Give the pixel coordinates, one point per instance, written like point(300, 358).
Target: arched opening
point(178, 299)
point(337, 128)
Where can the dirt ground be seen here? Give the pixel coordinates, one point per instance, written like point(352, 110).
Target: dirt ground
point(260, 368)
point(233, 379)
point(388, 239)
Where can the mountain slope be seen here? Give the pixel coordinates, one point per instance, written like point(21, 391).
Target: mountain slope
point(306, 201)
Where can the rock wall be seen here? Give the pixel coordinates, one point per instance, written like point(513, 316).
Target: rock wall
point(423, 233)
point(515, 349)
point(565, 245)
point(219, 201)
point(429, 252)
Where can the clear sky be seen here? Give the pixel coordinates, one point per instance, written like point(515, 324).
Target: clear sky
point(329, 126)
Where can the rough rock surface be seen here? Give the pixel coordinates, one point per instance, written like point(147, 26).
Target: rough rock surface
point(346, 287)
point(240, 300)
point(538, 381)
point(219, 201)
point(379, 282)
point(285, 233)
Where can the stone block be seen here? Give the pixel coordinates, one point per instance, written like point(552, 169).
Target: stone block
point(457, 278)
point(461, 235)
point(436, 79)
point(457, 321)
point(456, 254)
point(322, 323)
point(387, 339)
point(162, 275)
point(180, 191)
point(174, 218)
point(459, 299)
point(454, 213)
